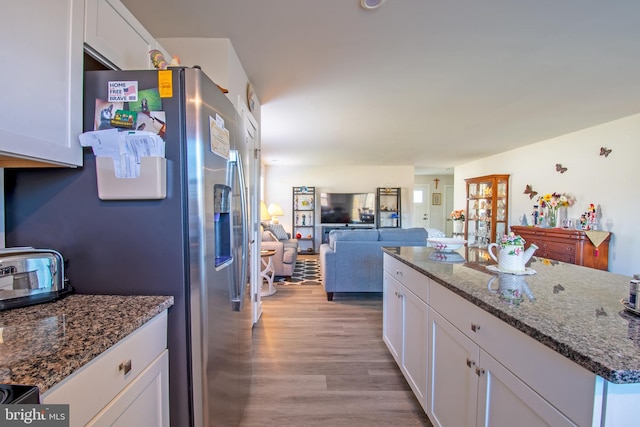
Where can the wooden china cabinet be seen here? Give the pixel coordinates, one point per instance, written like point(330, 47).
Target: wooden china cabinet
point(487, 213)
point(571, 246)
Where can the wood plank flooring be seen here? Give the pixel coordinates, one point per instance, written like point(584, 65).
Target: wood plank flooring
point(321, 363)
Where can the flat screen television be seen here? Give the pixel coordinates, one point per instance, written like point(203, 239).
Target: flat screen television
point(347, 208)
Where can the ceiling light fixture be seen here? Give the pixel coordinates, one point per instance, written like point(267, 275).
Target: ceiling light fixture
point(371, 4)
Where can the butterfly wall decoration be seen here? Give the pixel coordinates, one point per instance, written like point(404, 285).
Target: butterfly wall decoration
point(528, 190)
point(560, 168)
point(604, 151)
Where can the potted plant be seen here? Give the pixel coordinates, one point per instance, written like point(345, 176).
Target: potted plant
point(458, 220)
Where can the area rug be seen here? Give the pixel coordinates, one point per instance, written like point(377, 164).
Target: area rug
point(305, 272)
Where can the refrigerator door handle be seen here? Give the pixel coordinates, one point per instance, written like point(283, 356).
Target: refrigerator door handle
point(239, 286)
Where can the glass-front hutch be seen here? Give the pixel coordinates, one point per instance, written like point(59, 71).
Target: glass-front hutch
point(487, 209)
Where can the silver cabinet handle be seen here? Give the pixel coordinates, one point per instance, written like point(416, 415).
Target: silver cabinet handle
point(125, 366)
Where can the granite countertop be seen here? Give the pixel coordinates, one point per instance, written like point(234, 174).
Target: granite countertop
point(576, 311)
point(42, 344)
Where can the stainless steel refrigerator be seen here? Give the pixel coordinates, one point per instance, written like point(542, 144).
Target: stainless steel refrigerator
point(193, 244)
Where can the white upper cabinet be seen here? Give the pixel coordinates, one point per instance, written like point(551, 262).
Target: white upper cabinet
point(41, 108)
point(114, 34)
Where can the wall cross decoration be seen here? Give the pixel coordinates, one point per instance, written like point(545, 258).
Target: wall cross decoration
point(436, 181)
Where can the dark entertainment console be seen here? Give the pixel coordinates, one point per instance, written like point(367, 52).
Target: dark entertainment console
point(327, 229)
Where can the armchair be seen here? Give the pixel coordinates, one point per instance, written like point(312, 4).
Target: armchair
point(284, 260)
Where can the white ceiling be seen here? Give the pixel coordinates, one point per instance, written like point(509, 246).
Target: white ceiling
point(429, 83)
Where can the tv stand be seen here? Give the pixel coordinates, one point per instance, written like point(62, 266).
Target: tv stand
point(326, 229)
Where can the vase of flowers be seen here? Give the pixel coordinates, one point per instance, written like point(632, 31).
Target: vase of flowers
point(552, 217)
point(458, 221)
point(553, 203)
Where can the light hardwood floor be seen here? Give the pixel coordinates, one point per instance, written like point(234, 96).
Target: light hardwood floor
point(321, 363)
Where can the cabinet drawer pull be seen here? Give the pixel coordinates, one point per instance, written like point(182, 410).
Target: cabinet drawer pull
point(474, 327)
point(479, 371)
point(398, 273)
point(125, 366)
point(470, 363)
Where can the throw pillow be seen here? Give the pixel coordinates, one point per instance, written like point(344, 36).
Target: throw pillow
point(278, 231)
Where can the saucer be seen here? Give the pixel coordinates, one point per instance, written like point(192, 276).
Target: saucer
point(527, 271)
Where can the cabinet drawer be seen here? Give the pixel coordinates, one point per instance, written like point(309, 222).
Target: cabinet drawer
point(93, 386)
point(416, 282)
point(559, 251)
point(558, 256)
point(555, 246)
point(553, 376)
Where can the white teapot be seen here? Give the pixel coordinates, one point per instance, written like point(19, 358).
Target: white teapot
point(511, 254)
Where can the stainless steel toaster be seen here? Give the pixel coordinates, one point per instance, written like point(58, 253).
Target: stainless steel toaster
point(31, 276)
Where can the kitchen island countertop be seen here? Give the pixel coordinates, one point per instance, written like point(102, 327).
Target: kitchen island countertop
point(575, 311)
point(43, 344)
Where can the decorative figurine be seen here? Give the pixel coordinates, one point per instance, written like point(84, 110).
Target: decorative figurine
point(157, 58)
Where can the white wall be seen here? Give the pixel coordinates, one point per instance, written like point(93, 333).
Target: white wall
point(611, 183)
point(218, 60)
point(280, 180)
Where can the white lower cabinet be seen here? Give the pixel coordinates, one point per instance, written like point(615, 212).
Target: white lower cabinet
point(470, 388)
point(503, 398)
point(408, 345)
point(453, 394)
point(143, 403)
point(126, 385)
point(414, 345)
point(470, 369)
point(392, 316)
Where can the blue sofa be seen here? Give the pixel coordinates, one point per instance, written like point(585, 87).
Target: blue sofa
point(352, 260)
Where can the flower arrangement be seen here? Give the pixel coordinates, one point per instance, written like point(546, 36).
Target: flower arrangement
point(552, 202)
point(517, 243)
point(457, 215)
point(512, 240)
point(556, 200)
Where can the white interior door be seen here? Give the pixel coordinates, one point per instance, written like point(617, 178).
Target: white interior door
point(253, 142)
point(422, 206)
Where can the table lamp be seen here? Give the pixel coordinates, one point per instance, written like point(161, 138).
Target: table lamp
point(264, 212)
point(275, 211)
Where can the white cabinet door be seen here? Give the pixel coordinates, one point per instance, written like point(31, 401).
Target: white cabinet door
point(392, 316)
point(414, 345)
point(143, 403)
point(113, 33)
point(453, 359)
point(41, 108)
point(130, 376)
point(503, 398)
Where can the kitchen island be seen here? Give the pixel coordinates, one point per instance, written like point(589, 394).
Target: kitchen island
point(560, 334)
point(84, 350)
